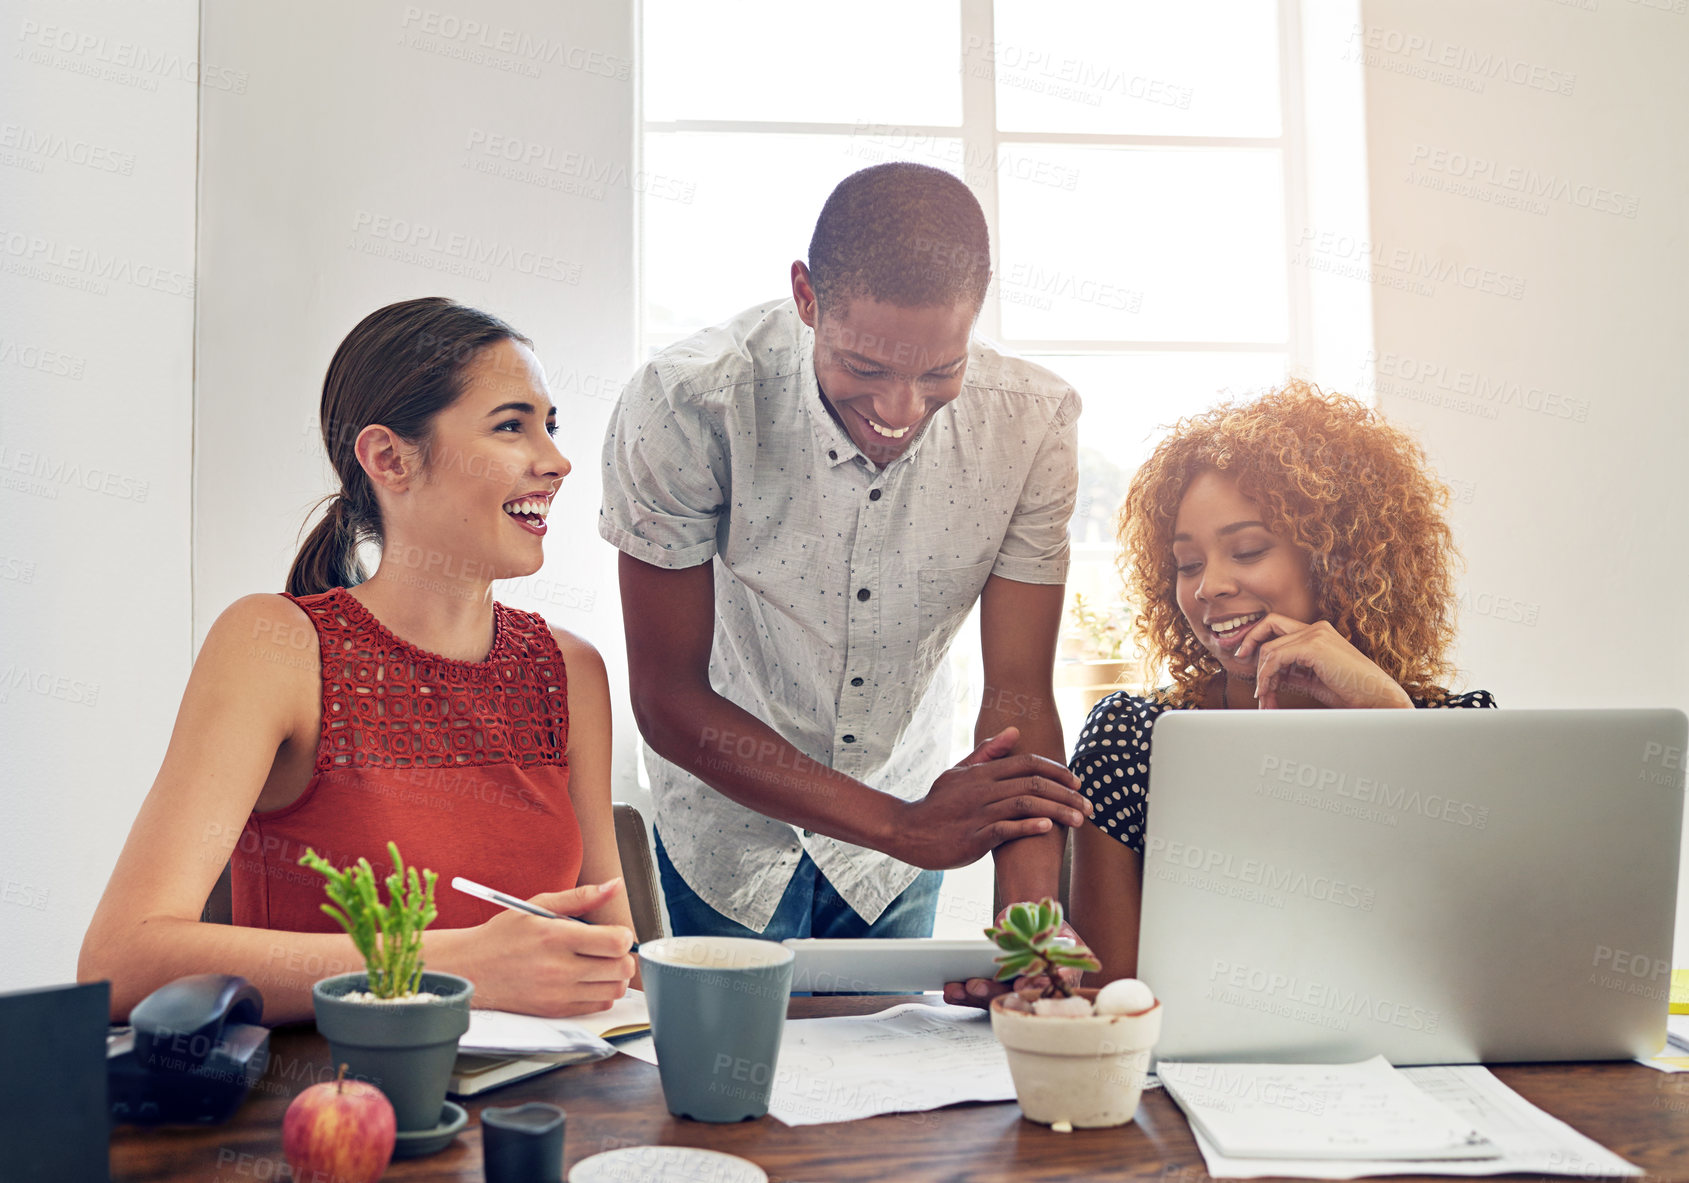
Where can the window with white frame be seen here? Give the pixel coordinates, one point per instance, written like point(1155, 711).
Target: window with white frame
point(1140, 165)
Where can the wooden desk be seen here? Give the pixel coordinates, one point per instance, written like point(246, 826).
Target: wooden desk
point(1638, 1113)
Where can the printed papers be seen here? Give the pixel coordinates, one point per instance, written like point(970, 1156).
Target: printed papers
point(907, 1059)
point(1529, 1139)
point(1352, 1111)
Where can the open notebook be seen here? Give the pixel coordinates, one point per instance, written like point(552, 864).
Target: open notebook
point(501, 1047)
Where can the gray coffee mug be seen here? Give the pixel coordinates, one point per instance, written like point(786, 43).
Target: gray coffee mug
point(718, 1009)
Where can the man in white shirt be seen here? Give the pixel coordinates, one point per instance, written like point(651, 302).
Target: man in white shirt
point(809, 499)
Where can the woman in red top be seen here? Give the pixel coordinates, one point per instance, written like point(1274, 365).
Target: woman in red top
point(406, 706)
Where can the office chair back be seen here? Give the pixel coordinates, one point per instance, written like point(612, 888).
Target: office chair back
point(639, 871)
point(219, 905)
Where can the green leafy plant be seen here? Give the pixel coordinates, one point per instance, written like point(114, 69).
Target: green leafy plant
point(1032, 949)
point(389, 936)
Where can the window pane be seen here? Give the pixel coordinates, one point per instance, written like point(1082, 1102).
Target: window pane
point(777, 60)
point(746, 208)
point(1146, 67)
point(1147, 244)
point(1130, 400)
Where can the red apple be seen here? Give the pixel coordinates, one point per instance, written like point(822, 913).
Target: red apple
point(339, 1131)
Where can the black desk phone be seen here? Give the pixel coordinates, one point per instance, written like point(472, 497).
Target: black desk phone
point(192, 1050)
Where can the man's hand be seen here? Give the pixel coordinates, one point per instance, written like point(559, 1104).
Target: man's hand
point(980, 991)
point(991, 797)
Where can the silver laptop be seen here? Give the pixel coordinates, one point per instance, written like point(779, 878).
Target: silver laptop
point(1440, 887)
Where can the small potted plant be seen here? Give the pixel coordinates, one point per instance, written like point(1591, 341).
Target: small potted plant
point(1095, 656)
point(1078, 1056)
point(394, 1024)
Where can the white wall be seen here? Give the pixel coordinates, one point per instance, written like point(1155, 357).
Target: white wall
point(1570, 482)
point(320, 128)
point(96, 338)
point(1339, 326)
point(367, 162)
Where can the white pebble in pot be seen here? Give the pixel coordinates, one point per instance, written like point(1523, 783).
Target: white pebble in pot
point(1128, 996)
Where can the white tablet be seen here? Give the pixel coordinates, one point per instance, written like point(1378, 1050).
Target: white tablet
point(908, 966)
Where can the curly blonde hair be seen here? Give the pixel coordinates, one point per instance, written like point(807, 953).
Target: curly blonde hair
point(1354, 493)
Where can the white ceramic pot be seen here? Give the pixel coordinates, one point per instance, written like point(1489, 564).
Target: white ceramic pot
point(1087, 1071)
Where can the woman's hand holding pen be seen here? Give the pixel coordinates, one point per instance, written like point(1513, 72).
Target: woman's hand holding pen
point(527, 963)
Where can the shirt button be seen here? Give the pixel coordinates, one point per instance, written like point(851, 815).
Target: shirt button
point(856, 681)
point(873, 494)
point(850, 739)
point(832, 455)
point(862, 593)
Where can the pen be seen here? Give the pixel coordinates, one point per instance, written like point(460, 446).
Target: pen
point(482, 892)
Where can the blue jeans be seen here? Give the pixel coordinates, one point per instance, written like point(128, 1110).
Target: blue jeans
point(810, 908)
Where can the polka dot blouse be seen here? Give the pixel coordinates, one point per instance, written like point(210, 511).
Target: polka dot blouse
point(1111, 759)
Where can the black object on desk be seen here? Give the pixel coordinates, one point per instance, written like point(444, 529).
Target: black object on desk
point(54, 1124)
point(193, 1050)
point(523, 1144)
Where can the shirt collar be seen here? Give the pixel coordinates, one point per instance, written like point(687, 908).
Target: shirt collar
point(834, 441)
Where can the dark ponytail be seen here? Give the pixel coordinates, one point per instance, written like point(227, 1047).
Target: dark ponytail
point(401, 366)
point(329, 556)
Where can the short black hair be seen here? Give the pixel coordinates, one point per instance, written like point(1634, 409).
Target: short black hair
point(904, 234)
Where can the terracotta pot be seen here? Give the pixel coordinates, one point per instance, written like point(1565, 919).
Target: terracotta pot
point(1087, 1071)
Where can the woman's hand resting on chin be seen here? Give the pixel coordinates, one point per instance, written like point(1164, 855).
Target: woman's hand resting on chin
point(1314, 660)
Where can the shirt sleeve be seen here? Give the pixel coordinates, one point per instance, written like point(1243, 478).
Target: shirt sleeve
point(665, 474)
point(1111, 761)
point(1035, 548)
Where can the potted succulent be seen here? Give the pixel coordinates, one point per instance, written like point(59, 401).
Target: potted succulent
point(1078, 1056)
point(394, 1024)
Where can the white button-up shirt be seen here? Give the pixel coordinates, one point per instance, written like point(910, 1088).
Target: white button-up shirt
point(839, 585)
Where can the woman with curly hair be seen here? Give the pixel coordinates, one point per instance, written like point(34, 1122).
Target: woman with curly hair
point(1285, 552)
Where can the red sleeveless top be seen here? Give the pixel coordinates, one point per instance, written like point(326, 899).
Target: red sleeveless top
point(464, 764)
